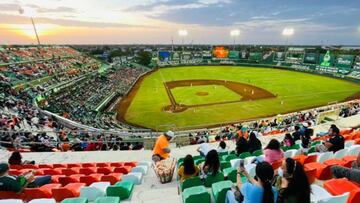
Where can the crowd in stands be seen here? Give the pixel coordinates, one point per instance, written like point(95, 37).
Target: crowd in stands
point(270, 184)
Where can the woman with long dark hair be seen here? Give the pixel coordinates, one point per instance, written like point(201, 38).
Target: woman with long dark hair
point(273, 152)
point(241, 145)
point(188, 169)
point(254, 143)
point(291, 178)
point(257, 190)
point(211, 165)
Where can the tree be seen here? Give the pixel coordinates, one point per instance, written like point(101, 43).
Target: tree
point(144, 58)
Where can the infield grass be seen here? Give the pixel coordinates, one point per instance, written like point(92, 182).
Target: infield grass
point(294, 90)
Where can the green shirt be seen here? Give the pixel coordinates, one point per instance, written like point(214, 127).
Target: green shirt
point(12, 183)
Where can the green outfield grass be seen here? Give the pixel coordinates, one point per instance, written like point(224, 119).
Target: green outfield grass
point(295, 89)
point(216, 94)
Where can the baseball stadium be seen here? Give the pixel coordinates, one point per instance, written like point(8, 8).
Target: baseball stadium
point(111, 102)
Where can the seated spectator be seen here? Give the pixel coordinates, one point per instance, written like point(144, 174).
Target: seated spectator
point(188, 169)
point(222, 147)
point(297, 133)
point(290, 178)
point(305, 139)
point(241, 145)
point(204, 148)
point(16, 159)
point(255, 190)
point(288, 140)
point(18, 183)
point(211, 165)
point(273, 152)
point(352, 173)
point(334, 143)
point(254, 143)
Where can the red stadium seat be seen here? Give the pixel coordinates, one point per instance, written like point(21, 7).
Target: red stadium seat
point(30, 166)
point(60, 165)
point(102, 164)
point(276, 164)
point(15, 172)
point(70, 171)
point(70, 179)
point(340, 186)
point(68, 191)
point(123, 169)
point(74, 165)
point(11, 195)
point(311, 174)
point(112, 178)
point(334, 162)
point(132, 164)
point(105, 170)
point(88, 171)
point(44, 191)
point(86, 165)
point(55, 178)
point(349, 160)
point(89, 179)
point(53, 171)
point(322, 170)
point(17, 167)
point(117, 164)
point(46, 166)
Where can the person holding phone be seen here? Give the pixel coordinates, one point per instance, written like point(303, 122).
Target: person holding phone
point(18, 183)
point(257, 190)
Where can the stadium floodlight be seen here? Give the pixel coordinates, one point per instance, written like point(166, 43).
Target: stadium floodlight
point(234, 34)
point(183, 33)
point(288, 31)
point(30, 12)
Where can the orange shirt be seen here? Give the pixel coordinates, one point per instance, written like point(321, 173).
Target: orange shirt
point(161, 143)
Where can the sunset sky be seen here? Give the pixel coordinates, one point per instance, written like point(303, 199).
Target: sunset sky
point(157, 21)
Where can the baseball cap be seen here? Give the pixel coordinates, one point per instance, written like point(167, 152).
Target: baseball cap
point(170, 133)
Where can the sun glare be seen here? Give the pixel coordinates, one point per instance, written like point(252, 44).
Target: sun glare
point(28, 30)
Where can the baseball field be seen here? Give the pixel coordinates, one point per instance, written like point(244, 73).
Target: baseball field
point(200, 96)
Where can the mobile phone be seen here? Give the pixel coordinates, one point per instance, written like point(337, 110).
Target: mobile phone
point(242, 163)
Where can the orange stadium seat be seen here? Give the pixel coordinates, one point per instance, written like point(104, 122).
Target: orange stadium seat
point(112, 178)
point(276, 164)
point(70, 171)
point(44, 191)
point(70, 179)
point(88, 171)
point(55, 178)
point(11, 195)
point(311, 174)
point(105, 170)
point(102, 164)
point(53, 171)
point(60, 165)
point(46, 166)
point(73, 165)
point(340, 186)
point(123, 169)
point(117, 164)
point(322, 170)
point(68, 191)
point(132, 164)
point(18, 167)
point(89, 179)
point(348, 160)
point(86, 165)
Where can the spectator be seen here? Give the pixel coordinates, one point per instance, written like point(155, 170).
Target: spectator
point(334, 143)
point(161, 149)
point(352, 173)
point(305, 139)
point(18, 183)
point(16, 159)
point(222, 147)
point(273, 152)
point(290, 178)
point(188, 169)
point(255, 190)
point(296, 134)
point(288, 140)
point(254, 143)
point(241, 145)
point(203, 149)
point(211, 165)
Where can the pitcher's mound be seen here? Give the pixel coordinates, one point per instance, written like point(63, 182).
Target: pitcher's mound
point(202, 93)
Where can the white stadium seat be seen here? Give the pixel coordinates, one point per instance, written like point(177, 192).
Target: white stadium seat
point(349, 143)
point(354, 150)
point(95, 190)
point(11, 201)
point(324, 156)
point(340, 154)
point(43, 201)
point(290, 153)
point(336, 199)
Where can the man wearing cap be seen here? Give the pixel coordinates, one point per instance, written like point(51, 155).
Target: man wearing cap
point(161, 149)
point(18, 183)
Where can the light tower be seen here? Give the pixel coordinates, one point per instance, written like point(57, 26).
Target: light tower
point(29, 12)
point(234, 34)
point(287, 32)
point(183, 34)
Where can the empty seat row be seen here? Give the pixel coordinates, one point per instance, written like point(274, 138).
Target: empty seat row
point(72, 165)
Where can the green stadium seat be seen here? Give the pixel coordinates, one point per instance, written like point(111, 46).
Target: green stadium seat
point(316, 143)
point(223, 153)
point(197, 157)
point(197, 194)
point(225, 164)
point(230, 173)
point(199, 161)
point(229, 157)
point(122, 189)
point(191, 182)
point(232, 152)
point(210, 179)
point(312, 150)
point(284, 148)
point(107, 200)
point(295, 146)
point(75, 200)
point(257, 153)
point(219, 190)
point(244, 155)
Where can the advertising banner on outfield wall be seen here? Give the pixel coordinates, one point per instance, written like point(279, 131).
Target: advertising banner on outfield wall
point(221, 52)
point(255, 56)
point(344, 61)
point(310, 58)
point(206, 55)
point(293, 57)
point(327, 59)
point(186, 55)
point(176, 56)
point(244, 54)
point(279, 56)
point(234, 55)
point(357, 63)
point(164, 55)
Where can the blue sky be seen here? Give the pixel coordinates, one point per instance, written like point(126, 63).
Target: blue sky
point(207, 21)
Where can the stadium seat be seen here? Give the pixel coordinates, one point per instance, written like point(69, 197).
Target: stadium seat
point(68, 191)
point(144, 163)
point(322, 170)
point(289, 153)
point(244, 155)
point(225, 164)
point(117, 164)
point(89, 179)
point(223, 153)
point(219, 190)
point(349, 143)
point(349, 160)
point(140, 169)
point(341, 186)
point(132, 164)
point(105, 170)
point(94, 191)
point(354, 150)
point(196, 194)
point(324, 156)
point(210, 179)
point(60, 165)
point(277, 164)
point(74, 165)
point(122, 189)
point(87, 165)
point(311, 175)
point(235, 163)
point(230, 174)
point(43, 200)
point(88, 170)
point(229, 157)
point(70, 179)
point(30, 166)
point(102, 164)
point(249, 159)
point(191, 182)
point(340, 154)
point(250, 168)
point(199, 161)
point(53, 171)
point(75, 200)
point(112, 178)
point(133, 177)
point(319, 194)
point(70, 171)
point(123, 169)
point(55, 178)
point(257, 152)
point(44, 191)
point(46, 166)
point(107, 200)
point(11, 201)
point(11, 195)
point(333, 162)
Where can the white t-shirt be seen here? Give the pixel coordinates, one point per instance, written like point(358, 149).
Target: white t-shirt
point(205, 148)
